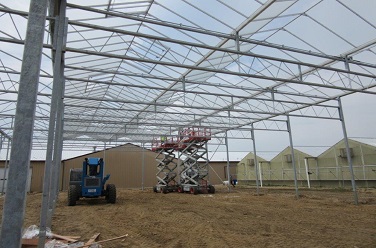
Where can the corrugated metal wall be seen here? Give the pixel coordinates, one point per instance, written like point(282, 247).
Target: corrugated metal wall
point(37, 174)
point(217, 171)
point(123, 163)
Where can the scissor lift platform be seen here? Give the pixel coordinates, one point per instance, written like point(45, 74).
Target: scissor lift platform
point(194, 165)
point(167, 164)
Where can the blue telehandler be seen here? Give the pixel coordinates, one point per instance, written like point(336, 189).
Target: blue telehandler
point(89, 182)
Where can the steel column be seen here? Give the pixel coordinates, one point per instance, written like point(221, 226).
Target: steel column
point(5, 167)
point(49, 191)
point(228, 163)
point(143, 166)
point(307, 172)
point(207, 159)
point(14, 206)
point(349, 160)
point(292, 156)
point(255, 159)
point(58, 147)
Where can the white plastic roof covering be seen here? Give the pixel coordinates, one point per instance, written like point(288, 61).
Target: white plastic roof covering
point(138, 69)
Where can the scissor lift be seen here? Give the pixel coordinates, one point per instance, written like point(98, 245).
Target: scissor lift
point(193, 174)
point(166, 164)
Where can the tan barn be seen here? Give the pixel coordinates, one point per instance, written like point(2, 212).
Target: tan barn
point(35, 179)
point(125, 164)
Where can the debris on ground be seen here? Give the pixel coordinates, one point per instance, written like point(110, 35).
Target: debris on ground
point(30, 239)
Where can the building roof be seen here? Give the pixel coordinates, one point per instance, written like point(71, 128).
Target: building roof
point(287, 150)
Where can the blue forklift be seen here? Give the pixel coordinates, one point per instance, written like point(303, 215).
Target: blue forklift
point(89, 182)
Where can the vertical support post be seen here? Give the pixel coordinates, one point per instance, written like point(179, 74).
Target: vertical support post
point(183, 82)
point(56, 164)
point(5, 168)
point(307, 172)
point(347, 66)
point(179, 165)
point(228, 163)
point(300, 73)
point(14, 207)
point(349, 160)
point(273, 98)
point(104, 157)
point(58, 139)
point(255, 158)
point(51, 165)
point(143, 167)
point(292, 156)
point(260, 173)
point(207, 159)
point(237, 46)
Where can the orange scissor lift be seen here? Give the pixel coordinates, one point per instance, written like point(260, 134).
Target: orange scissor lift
point(191, 145)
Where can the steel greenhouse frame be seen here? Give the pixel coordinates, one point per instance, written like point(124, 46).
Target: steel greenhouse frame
point(109, 71)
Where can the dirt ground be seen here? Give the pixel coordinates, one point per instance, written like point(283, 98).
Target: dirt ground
point(241, 218)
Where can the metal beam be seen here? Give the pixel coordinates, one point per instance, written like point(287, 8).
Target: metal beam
point(14, 207)
point(348, 155)
point(218, 48)
point(213, 33)
point(192, 67)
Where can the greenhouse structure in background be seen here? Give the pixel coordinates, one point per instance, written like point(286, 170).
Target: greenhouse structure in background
point(329, 169)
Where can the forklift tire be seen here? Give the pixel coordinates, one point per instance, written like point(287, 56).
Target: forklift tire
point(111, 191)
point(72, 195)
point(78, 193)
point(193, 190)
point(211, 189)
point(164, 190)
point(180, 189)
point(155, 189)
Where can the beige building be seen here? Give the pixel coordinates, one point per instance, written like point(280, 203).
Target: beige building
point(127, 163)
point(130, 166)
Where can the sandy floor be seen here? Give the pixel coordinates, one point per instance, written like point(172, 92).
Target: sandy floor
point(320, 218)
